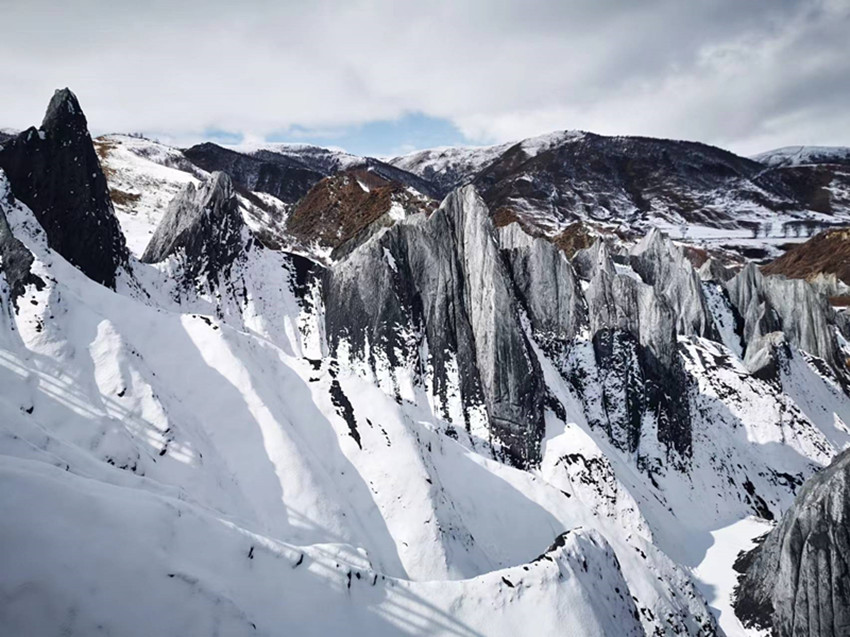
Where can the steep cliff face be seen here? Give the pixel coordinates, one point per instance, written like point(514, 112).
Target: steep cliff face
point(54, 170)
point(664, 266)
point(433, 295)
point(546, 285)
point(773, 304)
point(633, 331)
point(204, 226)
point(797, 583)
point(15, 259)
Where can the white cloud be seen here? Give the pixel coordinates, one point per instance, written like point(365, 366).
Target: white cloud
point(743, 75)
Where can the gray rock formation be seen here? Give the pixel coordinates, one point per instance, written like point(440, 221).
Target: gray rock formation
point(633, 329)
point(664, 266)
point(797, 583)
point(204, 226)
point(54, 170)
point(714, 270)
point(588, 261)
point(829, 284)
point(546, 284)
point(774, 303)
point(440, 283)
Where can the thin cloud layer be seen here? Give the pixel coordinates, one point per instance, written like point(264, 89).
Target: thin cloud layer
point(744, 75)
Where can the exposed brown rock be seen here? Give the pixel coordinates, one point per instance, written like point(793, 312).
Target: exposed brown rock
point(575, 237)
point(340, 206)
point(827, 253)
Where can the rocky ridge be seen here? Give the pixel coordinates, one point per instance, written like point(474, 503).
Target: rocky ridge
point(827, 253)
point(797, 582)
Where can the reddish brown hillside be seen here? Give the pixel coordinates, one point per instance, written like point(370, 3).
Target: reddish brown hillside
point(340, 206)
point(827, 253)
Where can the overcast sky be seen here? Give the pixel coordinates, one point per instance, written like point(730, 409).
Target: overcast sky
point(386, 77)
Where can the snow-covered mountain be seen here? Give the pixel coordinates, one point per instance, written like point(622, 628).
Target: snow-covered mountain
point(697, 193)
point(801, 155)
point(446, 425)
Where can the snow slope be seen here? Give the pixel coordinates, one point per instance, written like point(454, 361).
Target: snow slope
point(451, 166)
point(200, 465)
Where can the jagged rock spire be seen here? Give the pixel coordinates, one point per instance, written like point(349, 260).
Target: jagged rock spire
point(64, 112)
point(55, 171)
point(774, 303)
point(663, 265)
point(442, 277)
point(202, 225)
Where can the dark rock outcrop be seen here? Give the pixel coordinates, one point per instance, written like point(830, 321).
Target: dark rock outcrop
point(282, 177)
point(15, 259)
point(797, 582)
point(204, 226)
point(55, 171)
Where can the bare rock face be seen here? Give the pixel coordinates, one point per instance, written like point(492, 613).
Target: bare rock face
point(546, 284)
point(714, 270)
point(797, 583)
point(439, 284)
point(54, 170)
point(204, 227)
point(664, 266)
point(15, 259)
point(774, 303)
point(588, 261)
point(633, 329)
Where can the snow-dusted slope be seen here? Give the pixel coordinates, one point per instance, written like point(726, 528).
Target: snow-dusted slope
point(144, 176)
point(451, 166)
point(801, 155)
point(326, 160)
point(207, 440)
